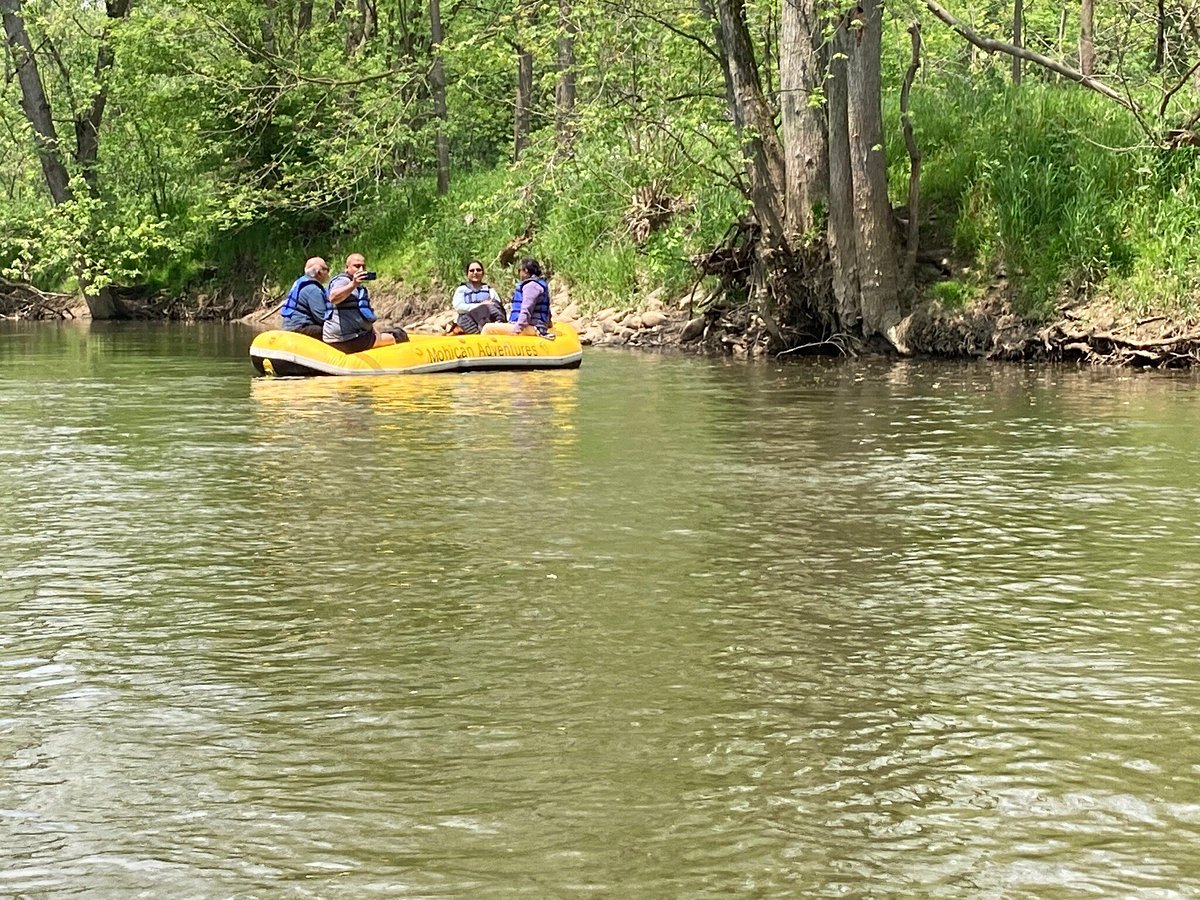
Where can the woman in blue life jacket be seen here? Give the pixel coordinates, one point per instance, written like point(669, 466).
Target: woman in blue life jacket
point(306, 303)
point(530, 314)
point(476, 302)
point(349, 320)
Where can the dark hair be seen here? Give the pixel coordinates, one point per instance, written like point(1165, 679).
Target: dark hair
point(473, 262)
point(530, 265)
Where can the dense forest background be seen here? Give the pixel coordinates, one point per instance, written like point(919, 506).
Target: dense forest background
point(825, 166)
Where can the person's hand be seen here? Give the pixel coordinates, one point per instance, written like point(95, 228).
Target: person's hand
point(517, 329)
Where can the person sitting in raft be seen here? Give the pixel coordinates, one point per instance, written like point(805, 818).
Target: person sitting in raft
point(348, 320)
point(306, 303)
point(476, 302)
point(530, 313)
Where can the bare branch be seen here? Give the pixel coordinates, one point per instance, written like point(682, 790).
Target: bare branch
point(991, 45)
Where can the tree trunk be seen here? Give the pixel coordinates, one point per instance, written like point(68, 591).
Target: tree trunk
point(304, 17)
point(437, 84)
point(1160, 36)
point(876, 248)
point(761, 148)
point(101, 304)
point(34, 103)
point(266, 25)
point(87, 125)
point(1018, 37)
point(361, 28)
point(842, 242)
point(805, 134)
point(521, 115)
point(1087, 42)
point(912, 242)
point(564, 93)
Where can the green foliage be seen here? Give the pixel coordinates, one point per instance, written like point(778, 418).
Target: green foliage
point(236, 140)
point(1032, 182)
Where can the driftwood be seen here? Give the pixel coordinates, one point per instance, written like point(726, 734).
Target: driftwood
point(1110, 349)
point(24, 301)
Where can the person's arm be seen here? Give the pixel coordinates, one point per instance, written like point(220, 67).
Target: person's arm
point(529, 296)
point(460, 299)
point(345, 286)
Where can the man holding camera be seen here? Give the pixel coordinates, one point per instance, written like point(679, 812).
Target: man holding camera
point(348, 321)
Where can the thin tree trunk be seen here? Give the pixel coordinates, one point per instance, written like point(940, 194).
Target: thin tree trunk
point(1160, 36)
point(1062, 36)
point(564, 92)
point(914, 155)
point(1018, 37)
point(87, 125)
point(1087, 41)
point(34, 103)
point(805, 133)
point(842, 242)
point(437, 79)
point(304, 16)
point(875, 225)
point(521, 116)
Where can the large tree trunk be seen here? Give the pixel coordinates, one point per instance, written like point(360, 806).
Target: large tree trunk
point(34, 103)
point(437, 84)
point(805, 137)
point(564, 92)
point(876, 247)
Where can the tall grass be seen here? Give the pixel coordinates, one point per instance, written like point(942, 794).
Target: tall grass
point(1060, 190)
point(576, 206)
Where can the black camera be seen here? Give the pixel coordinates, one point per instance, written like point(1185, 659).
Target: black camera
point(370, 276)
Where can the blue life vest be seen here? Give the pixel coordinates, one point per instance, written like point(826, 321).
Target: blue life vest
point(539, 316)
point(293, 297)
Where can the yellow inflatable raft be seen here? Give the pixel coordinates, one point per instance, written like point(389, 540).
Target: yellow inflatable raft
point(289, 353)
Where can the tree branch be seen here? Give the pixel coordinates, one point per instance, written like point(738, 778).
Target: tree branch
point(991, 45)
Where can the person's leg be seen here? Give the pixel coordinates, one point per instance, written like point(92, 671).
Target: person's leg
point(356, 345)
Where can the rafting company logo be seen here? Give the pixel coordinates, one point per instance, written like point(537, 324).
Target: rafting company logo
point(445, 354)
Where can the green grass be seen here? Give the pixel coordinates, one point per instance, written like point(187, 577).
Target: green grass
point(1060, 189)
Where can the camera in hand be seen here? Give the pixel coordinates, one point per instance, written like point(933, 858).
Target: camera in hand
point(370, 276)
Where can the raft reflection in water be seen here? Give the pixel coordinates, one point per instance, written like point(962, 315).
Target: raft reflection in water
point(500, 394)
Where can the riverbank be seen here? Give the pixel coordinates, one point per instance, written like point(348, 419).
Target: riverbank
point(1095, 334)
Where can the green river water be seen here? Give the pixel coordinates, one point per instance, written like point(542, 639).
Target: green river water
point(663, 626)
